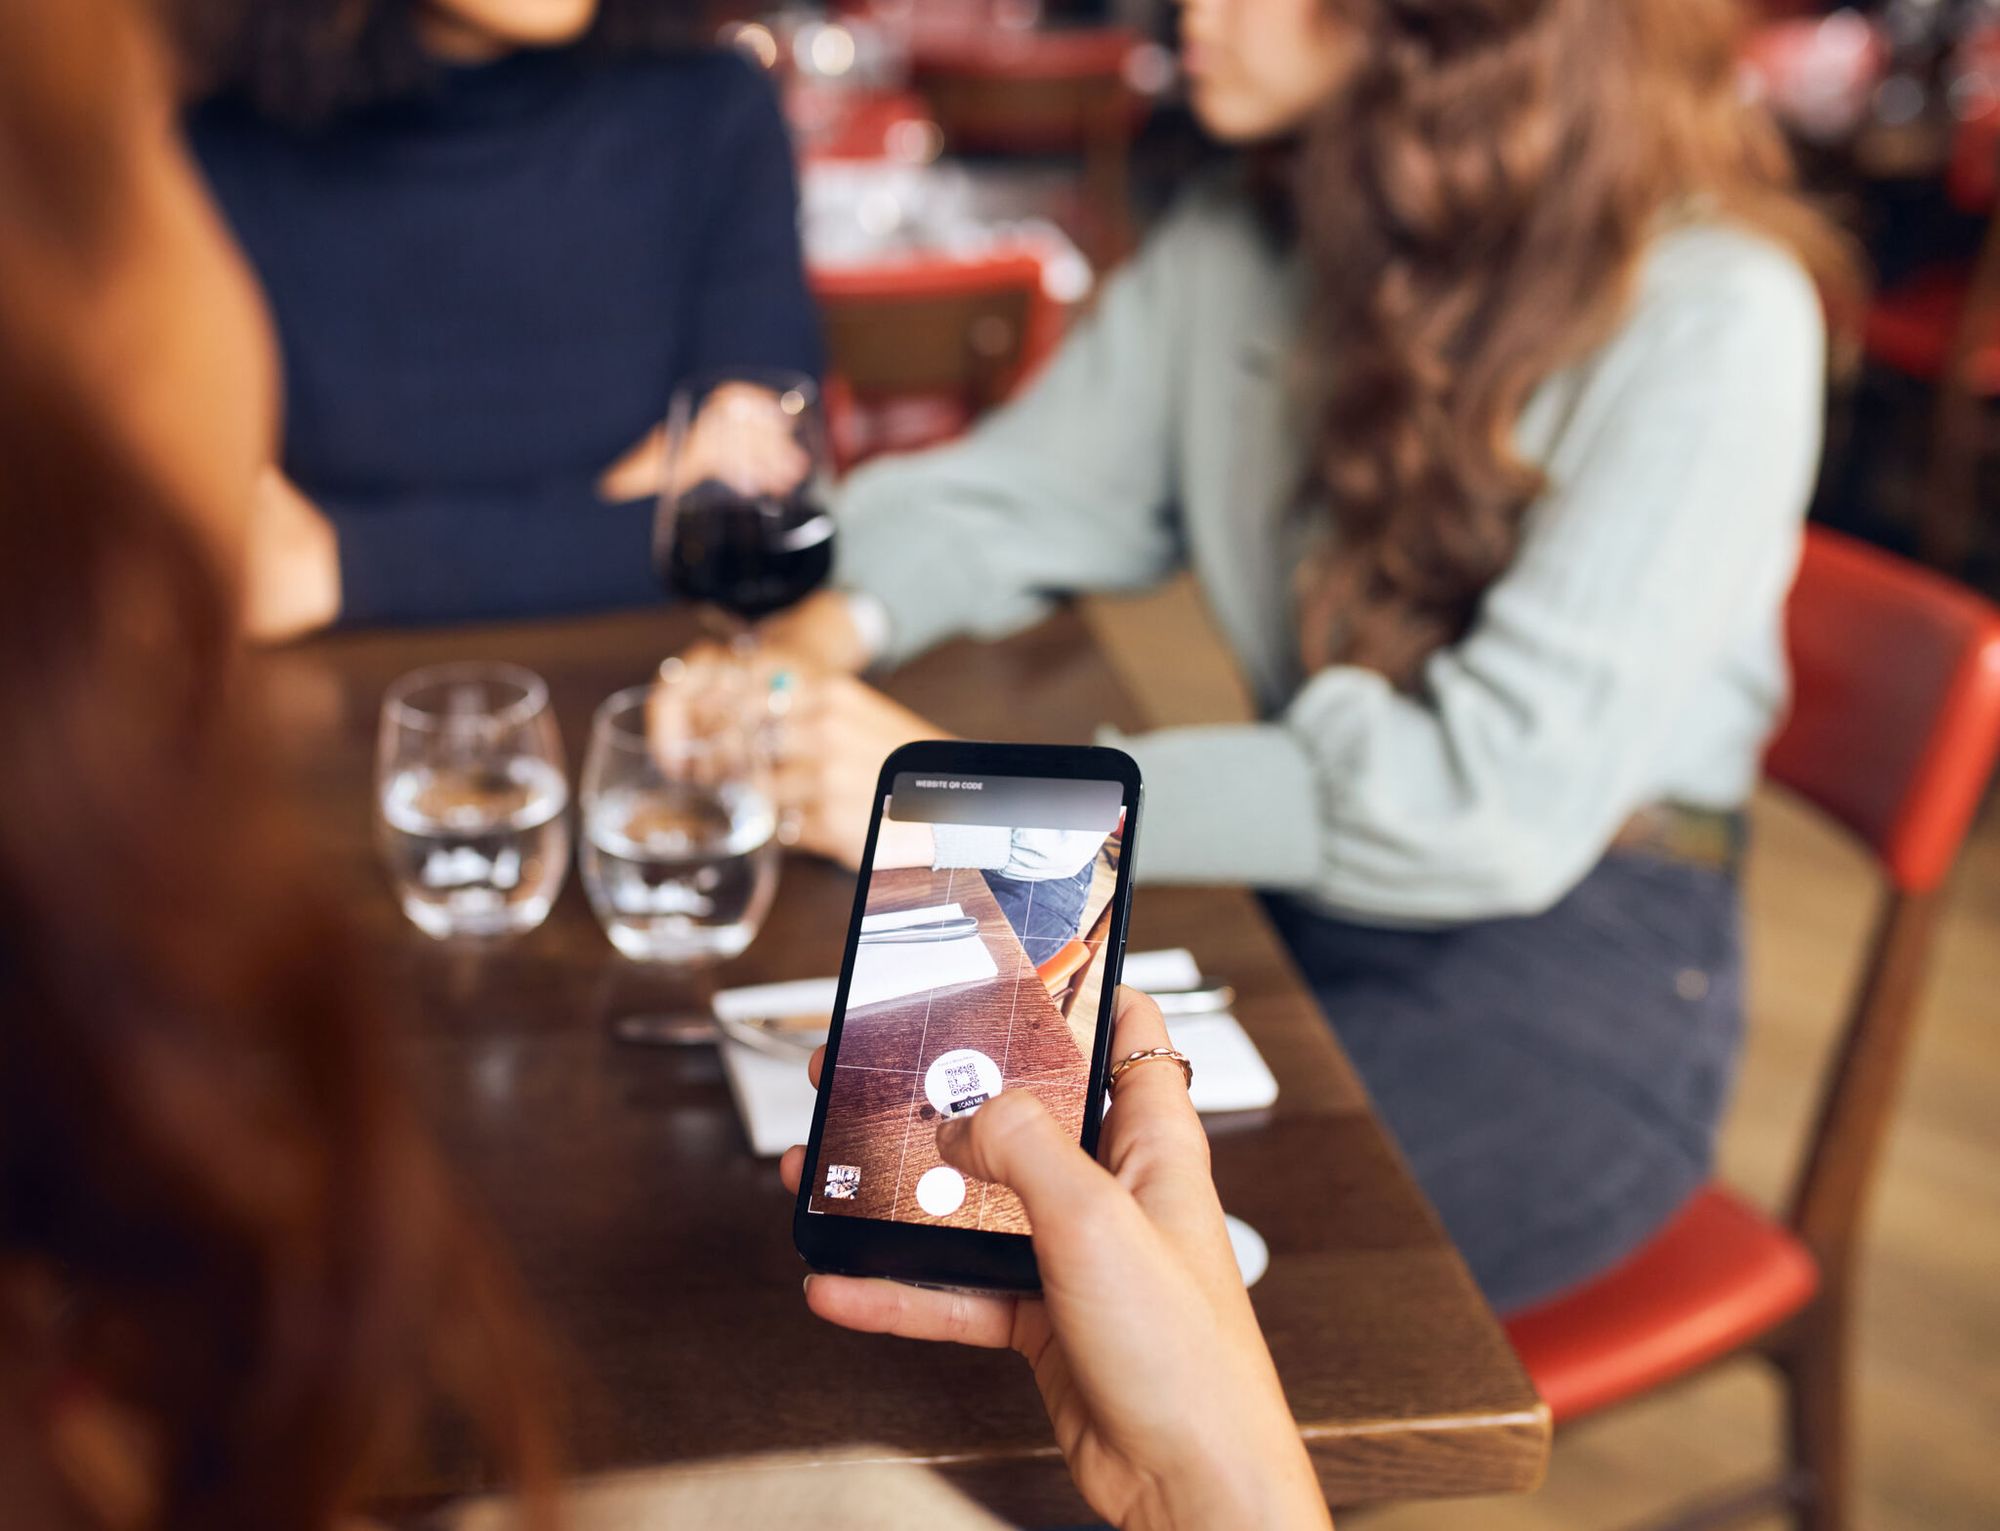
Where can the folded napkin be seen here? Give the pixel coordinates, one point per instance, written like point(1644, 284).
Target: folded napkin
point(773, 1097)
point(897, 969)
point(1229, 1073)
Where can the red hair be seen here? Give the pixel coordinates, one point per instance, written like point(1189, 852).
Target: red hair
point(205, 1146)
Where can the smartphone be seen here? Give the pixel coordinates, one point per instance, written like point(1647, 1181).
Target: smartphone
point(983, 955)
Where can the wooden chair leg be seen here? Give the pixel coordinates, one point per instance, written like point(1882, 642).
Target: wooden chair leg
point(1816, 1364)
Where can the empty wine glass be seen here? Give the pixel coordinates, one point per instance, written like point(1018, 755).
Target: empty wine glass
point(680, 852)
point(470, 799)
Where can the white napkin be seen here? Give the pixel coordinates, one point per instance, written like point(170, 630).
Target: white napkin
point(1174, 968)
point(769, 1001)
point(899, 968)
point(1229, 1073)
point(775, 1099)
point(773, 1096)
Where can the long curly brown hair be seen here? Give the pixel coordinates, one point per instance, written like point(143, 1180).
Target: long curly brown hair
point(1473, 206)
point(222, 1229)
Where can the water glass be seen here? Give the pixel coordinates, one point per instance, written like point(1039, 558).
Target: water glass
point(680, 849)
point(471, 799)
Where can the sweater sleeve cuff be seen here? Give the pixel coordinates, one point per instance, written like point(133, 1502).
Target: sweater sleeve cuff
point(929, 590)
point(1226, 804)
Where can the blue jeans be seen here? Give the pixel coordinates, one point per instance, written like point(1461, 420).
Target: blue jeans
point(1045, 915)
point(1556, 1082)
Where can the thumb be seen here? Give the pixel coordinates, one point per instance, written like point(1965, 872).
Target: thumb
point(1013, 1141)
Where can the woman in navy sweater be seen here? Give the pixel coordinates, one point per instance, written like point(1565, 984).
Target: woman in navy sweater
point(494, 236)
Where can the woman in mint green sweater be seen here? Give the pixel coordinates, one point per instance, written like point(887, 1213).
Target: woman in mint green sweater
point(1489, 441)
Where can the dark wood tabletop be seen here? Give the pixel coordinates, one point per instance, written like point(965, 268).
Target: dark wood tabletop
point(659, 1249)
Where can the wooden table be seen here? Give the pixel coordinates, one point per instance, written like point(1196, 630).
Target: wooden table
point(660, 1250)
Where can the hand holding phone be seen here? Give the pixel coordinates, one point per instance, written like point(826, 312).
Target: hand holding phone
point(982, 954)
point(1148, 1356)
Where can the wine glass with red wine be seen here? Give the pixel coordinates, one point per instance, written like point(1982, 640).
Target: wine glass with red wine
point(743, 528)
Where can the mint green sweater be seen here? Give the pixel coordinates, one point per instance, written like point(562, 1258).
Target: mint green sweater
point(1632, 653)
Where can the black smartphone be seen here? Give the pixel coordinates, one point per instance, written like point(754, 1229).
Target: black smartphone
point(983, 955)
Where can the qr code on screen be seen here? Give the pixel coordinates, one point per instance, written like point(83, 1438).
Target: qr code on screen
point(961, 1084)
point(842, 1181)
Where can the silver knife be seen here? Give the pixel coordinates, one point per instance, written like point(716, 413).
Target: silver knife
point(934, 930)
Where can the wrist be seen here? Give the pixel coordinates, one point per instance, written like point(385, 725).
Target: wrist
point(294, 583)
point(322, 565)
point(1262, 1479)
point(868, 623)
point(821, 630)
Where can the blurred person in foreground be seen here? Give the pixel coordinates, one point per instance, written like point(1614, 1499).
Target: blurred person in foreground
point(1486, 416)
point(236, 1290)
point(495, 237)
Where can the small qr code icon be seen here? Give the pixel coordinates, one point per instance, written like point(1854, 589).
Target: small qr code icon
point(962, 1079)
point(842, 1181)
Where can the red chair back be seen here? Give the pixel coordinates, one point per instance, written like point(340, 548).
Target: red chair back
point(1893, 733)
point(1895, 718)
point(922, 347)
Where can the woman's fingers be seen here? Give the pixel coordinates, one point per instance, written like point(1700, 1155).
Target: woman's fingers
point(698, 698)
point(915, 1313)
point(1152, 1094)
point(640, 473)
point(1137, 1025)
point(1013, 1141)
point(792, 1167)
point(1155, 1145)
point(792, 1163)
point(1152, 1124)
point(743, 438)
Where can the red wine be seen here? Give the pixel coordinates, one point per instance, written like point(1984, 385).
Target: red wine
point(751, 555)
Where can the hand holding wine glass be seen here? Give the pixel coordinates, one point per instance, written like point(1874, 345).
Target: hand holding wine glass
point(837, 732)
point(819, 633)
point(763, 443)
point(743, 526)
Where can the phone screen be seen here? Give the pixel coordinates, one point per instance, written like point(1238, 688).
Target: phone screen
point(979, 967)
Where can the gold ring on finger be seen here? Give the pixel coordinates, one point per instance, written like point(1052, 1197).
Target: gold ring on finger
point(1150, 1055)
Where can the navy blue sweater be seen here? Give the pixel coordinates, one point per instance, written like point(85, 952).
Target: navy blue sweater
point(486, 296)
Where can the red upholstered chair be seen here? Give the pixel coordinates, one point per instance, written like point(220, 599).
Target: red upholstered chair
point(1893, 735)
point(892, 125)
point(921, 347)
point(1065, 973)
point(1069, 970)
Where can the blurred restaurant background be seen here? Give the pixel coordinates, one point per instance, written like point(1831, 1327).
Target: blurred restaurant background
point(970, 173)
point(970, 168)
